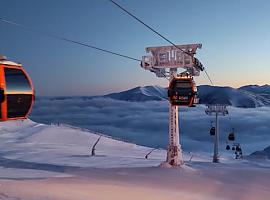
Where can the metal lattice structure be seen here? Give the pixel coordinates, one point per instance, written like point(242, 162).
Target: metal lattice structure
point(164, 61)
point(216, 109)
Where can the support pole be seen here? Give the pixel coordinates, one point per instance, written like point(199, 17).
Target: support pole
point(216, 143)
point(217, 109)
point(174, 153)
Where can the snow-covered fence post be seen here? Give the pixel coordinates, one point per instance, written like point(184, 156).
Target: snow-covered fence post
point(93, 152)
point(146, 156)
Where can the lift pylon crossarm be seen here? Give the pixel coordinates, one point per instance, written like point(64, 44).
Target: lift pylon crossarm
point(216, 108)
point(167, 57)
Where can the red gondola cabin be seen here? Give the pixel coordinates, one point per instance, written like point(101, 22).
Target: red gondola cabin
point(182, 91)
point(16, 91)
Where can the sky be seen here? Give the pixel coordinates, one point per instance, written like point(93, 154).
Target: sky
point(234, 34)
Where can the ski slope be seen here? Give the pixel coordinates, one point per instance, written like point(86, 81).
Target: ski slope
point(64, 145)
point(41, 161)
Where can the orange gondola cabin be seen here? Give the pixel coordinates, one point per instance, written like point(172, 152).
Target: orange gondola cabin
point(16, 91)
point(182, 91)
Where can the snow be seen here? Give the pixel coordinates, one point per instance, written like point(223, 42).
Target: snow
point(141, 94)
point(40, 161)
point(65, 145)
point(155, 91)
point(7, 62)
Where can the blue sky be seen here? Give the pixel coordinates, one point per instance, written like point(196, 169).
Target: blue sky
point(235, 37)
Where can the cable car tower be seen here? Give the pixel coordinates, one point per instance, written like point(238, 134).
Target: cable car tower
point(164, 61)
point(216, 109)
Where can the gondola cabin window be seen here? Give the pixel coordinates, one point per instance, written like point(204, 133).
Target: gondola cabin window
point(19, 93)
point(16, 81)
point(183, 87)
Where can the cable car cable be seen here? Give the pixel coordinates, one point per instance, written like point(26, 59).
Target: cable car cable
point(149, 27)
point(156, 32)
point(69, 40)
point(65, 39)
point(208, 77)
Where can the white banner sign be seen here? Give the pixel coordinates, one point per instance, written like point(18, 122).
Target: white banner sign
point(170, 56)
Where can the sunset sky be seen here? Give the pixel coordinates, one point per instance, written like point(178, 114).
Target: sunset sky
point(235, 35)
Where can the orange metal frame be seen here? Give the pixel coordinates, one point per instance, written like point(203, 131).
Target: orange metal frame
point(4, 105)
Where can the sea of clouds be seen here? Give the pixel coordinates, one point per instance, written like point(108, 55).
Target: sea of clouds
point(146, 123)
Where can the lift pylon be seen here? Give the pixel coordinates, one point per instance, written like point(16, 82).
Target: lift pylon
point(164, 62)
point(174, 153)
point(216, 109)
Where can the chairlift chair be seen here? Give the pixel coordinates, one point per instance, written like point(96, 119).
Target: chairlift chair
point(231, 136)
point(212, 130)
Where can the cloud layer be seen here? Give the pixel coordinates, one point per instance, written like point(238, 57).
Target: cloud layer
point(146, 123)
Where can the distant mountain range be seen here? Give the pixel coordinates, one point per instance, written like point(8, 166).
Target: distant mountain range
point(264, 154)
point(147, 93)
point(249, 96)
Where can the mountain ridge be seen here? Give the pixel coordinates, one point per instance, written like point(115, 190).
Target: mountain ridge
point(245, 96)
point(249, 96)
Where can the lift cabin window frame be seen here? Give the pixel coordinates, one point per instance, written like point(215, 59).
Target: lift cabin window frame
point(185, 87)
point(18, 92)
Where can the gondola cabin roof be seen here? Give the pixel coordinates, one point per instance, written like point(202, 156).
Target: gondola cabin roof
point(4, 61)
point(7, 62)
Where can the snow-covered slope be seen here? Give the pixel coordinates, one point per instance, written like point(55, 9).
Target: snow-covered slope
point(264, 154)
point(264, 89)
point(230, 96)
point(147, 93)
point(44, 162)
point(27, 141)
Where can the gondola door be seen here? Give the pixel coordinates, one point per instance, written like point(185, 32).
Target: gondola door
point(2, 94)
